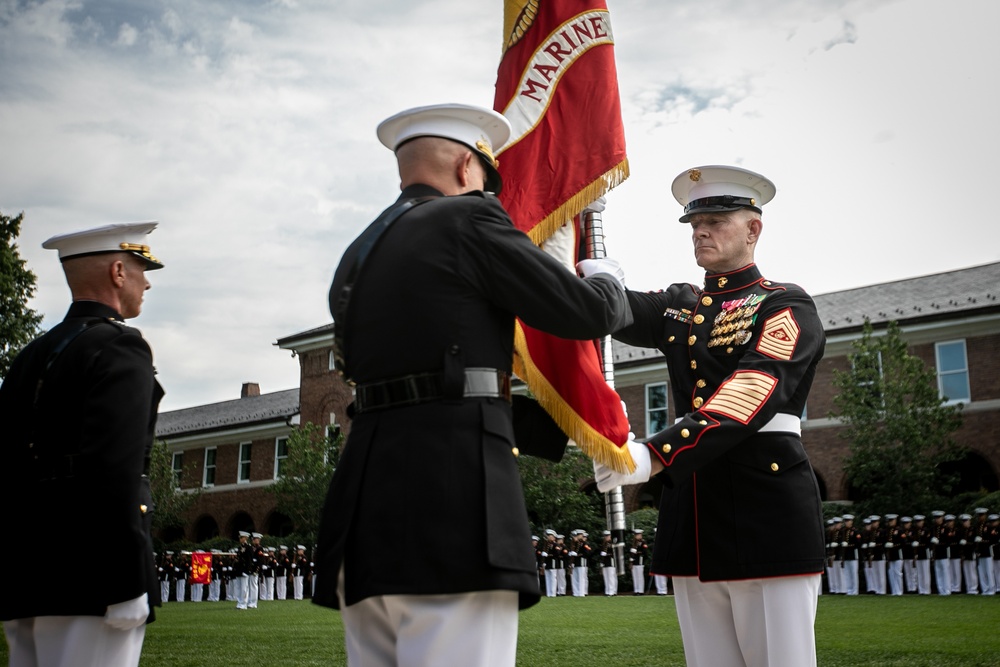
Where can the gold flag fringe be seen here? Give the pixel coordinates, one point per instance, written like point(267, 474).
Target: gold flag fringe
point(590, 441)
point(575, 204)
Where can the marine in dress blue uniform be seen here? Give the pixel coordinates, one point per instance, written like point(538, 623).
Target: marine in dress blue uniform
point(742, 352)
point(425, 328)
point(79, 411)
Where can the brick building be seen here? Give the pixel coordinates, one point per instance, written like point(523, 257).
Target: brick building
point(950, 320)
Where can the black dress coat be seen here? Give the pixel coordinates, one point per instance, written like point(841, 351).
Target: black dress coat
point(441, 291)
point(75, 465)
point(739, 352)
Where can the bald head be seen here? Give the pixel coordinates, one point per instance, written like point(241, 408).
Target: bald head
point(116, 279)
point(449, 166)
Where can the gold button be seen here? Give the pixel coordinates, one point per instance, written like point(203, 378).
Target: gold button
point(685, 433)
point(703, 422)
point(701, 384)
point(666, 449)
point(697, 402)
point(692, 340)
point(143, 508)
point(767, 283)
point(671, 339)
point(694, 364)
point(515, 451)
point(774, 467)
point(698, 319)
point(706, 301)
point(729, 350)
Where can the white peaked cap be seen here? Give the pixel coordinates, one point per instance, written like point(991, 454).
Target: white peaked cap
point(716, 188)
point(121, 237)
point(481, 129)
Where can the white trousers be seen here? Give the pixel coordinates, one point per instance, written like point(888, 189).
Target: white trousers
point(956, 574)
point(297, 587)
point(661, 583)
point(878, 574)
point(580, 581)
point(987, 582)
point(253, 594)
point(924, 577)
point(638, 579)
point(477, 628)
point(895, 569)
point(910, 575)
point(165, 591)
point(197, 590)
point(241, 590)
point(551, 586)
point(971, 577)
point(561, 581)
point(267, 589)
point(214, 589)
point(750, 623)
point(942, 576)
point(181, 586)
point(610, 580)
point(849, 578)
point(281, 587)
point(71, 641)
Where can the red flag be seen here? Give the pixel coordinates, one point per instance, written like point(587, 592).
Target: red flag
point(201, 568)
point(558, 87)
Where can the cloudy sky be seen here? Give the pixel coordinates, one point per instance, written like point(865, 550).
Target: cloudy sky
point(246, 128)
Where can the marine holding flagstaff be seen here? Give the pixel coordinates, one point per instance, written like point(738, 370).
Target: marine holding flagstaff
point(78, 409)
point(424, 303)
point(742, 352)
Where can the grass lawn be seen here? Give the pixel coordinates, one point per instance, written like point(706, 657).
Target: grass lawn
point(955, 631)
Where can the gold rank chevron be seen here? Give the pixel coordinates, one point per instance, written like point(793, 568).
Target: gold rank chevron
point(742, 395)
point(779, 336)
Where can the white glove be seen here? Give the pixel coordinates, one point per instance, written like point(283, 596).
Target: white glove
point(889, 545)
point(962, 542)
point(604, 553)
point(978, 538)
point(544, 554)
point(934, 540)
point(915, 545)
point(608, 479)
point(843, 544)
point(128, 615)
point(589, 267)
point(572, 554)
point(597, 206)
point(633, 551)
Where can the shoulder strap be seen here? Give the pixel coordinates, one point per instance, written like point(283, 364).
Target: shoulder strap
point(350, 270)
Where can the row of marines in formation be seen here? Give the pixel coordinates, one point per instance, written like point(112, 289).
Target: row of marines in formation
point(246, 574)
point(949, 554)
point(556, 559)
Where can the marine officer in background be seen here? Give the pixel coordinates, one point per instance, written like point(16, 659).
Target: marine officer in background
point(79, 412)
point(742, 352)
point(424, 325)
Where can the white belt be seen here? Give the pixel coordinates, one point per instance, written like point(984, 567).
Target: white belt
point(781, 422)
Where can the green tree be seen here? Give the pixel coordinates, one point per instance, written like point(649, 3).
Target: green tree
point(898, 428)
point(553, 496)
point(18, 323)
point(305, 477)
point(170, 502)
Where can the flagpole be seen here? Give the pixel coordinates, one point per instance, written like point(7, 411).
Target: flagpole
point(614, 501)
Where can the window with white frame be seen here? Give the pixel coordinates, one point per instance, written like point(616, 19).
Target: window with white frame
point(243, 470)
point(656, 407)
point(208, 479)
point(952, 371)
point(177, 464)
point(280, 454)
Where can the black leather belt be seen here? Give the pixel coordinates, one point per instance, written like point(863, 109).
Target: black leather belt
point(426, 387)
